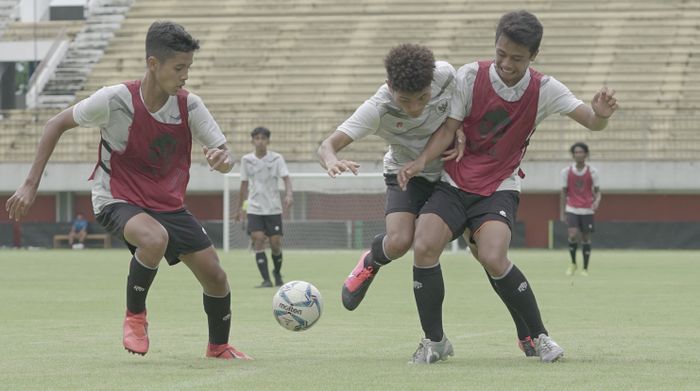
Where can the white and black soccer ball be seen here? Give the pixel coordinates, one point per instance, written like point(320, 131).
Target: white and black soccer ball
point(297, 305)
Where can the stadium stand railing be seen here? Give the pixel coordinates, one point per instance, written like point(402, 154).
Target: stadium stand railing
point(302, 66)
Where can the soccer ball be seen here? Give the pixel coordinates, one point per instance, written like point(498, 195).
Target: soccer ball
point(297, 305)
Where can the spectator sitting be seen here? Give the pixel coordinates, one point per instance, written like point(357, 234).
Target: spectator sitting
point(78, 230)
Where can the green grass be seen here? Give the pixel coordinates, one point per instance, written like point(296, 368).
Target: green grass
point(632, 325)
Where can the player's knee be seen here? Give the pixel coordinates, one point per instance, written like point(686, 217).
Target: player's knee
point(398, 244)
point(155, 241)
point(492, 260)
point(219, 280)
point(424, 248)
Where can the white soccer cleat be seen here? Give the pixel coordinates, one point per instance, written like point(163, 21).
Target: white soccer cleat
point(547, 349)
point(429, 352)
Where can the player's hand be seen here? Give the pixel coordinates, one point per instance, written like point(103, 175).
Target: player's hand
point(288, 201)
point(595, 206)
point(18, 205)
point(239, 215)
point(457, 151)
point(218, 159)
point(604, 103)
point(408, 171)
point(341, 166)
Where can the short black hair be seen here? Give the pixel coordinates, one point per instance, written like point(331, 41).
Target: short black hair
point(522, 28)
point(581, 145)
point(409, 67)
point(164, 39)
point(260, 130)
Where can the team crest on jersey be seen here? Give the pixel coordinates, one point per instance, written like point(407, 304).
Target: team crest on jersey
point(442, 107)
point(494, 123)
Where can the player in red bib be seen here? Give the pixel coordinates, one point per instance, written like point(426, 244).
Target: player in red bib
point(140, 179)
point(580, 198)
point(497, 107)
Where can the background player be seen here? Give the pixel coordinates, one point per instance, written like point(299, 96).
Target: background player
point(260, 174)
point(579, 199)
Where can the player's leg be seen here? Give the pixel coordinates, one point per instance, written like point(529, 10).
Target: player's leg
point(190, 243)
point(587, 229)
point(274, 232)
point(216, 297)
point(574, 237)
point(147, 240)
point(493, 240)
point(401, 210)
point(71, 237)
point(440, 220)
point(431, 236)
point(276, 252)
point(525, 339)
point(256, 230)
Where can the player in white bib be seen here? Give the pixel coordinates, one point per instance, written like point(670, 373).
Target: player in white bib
point(261, 171)
point(405, 111)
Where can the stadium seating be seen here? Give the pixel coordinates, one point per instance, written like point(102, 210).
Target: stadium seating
point(302, 66)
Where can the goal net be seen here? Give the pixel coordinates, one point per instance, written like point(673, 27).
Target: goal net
point(345, 212)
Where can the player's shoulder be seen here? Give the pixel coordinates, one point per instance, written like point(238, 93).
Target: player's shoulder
point(566, 169)
point(273, 156)
point(248, 157)
point(107, 93)
point(468, 69)
point(444, 71)
point(194, 101)
point(592, 169)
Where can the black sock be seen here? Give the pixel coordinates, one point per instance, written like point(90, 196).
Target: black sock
point(137, 284)
point(261, 261)
point(586, 250)
point(517, 293)
point(520, 326)
point(573, 246)
point(429, 291)
point(218, 311)
point(277, 262)
point(376, 257)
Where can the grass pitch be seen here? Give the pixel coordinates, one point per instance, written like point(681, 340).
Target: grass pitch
point(633, 324)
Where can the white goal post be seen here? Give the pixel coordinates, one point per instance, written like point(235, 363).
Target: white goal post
point(345, 212)
point(328, 212)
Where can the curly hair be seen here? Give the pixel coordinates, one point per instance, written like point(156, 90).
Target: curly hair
point(579, 145)
point(165, 38)
point(409, 67)
point(522, 28)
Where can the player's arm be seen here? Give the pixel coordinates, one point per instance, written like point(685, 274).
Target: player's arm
point(242, 198)
point(437, 144)
point(595, 116)
point(19, 203)
point(288, 192)
point(597, 196)
point(219, 159)
point(327, 154)
point(562, 204)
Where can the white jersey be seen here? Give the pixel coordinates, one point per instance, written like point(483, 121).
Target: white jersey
point(554, 98)
point(263, 176)
point(111, 109)
point(565, 183)
point(407, 136)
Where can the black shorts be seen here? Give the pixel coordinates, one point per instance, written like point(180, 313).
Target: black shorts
point(185, 234)
point(584, 223)
point(271, 225)
point(461, 210)
point(417, 193)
